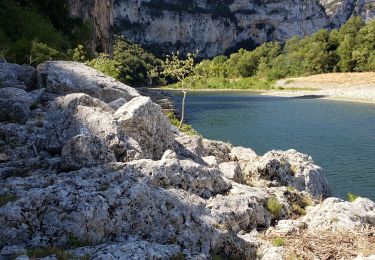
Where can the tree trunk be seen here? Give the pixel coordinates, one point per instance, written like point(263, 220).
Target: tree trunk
point(183, 109)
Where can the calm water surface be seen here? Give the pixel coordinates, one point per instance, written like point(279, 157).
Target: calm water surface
point(340, 136)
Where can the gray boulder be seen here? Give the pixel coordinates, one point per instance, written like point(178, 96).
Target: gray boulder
point(337, 214)
point(80, 114)
point(242, 154)
point(231, 171)
point(289, 168)
point(65, 77)
point(218, 149)
point(143, 120)
point(17, 76)
point(14, 105)
point(85, 151)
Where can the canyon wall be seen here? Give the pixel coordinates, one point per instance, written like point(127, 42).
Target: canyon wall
point(217, 27)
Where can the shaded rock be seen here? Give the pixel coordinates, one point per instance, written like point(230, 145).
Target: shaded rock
point(191, 146)
point(3, 157)
point(37, 96)
point(289, 168)
point(85, 151)
point(218, 149)
point(65, 77)
point(117, 103)
point(14, 105)
point(17, 76)
point(231, 171)
point(144, 121)
point(337, 214)
point(130, 250)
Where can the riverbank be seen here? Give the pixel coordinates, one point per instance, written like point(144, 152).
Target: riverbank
point(355, 87)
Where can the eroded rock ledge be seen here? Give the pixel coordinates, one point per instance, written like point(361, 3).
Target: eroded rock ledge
point(88, 163)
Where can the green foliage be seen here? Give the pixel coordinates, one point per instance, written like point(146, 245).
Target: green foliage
point(186, 128)
point(4, 199)
point(78, 54)
point(41, 52)
point(106, 65)
point(274, 206)
point(136, 65)
point(22, 22)
point(74, 242)
point(177, 68)
point(278, 241)
point(352, 197)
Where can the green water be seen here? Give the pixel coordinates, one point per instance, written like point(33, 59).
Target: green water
point(340, 136)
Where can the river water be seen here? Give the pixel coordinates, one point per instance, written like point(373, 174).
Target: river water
point(340, 136)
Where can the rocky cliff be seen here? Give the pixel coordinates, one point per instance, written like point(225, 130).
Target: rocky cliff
point(91, 169)
point(216, 27)
point(99, 13)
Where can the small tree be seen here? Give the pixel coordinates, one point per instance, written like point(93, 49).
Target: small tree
point(179, 69)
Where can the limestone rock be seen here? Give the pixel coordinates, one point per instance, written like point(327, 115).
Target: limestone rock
point(218, 149)
point(242, 154)
point(14, 105)
point(80, 114)
point(211, 161)
point(130, 250)
point(17, 76)
point(65, 77)
point(143, 120)
point(85, 151)
point(117, 103)
point(336, 214)
point(184, 174)
point(289, 168)
point(189, 146)
point(231, 171)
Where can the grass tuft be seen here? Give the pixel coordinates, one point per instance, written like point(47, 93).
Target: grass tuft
point(274, 206)
point(4, 199)
point(278, 241)
point(352, 197)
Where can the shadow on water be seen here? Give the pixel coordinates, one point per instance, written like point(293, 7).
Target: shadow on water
point(310, 97)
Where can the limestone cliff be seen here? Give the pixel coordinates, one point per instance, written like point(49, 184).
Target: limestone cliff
point(215, 27)
point(99, 14)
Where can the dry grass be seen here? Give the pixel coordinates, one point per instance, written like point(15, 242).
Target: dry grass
point(341, 78)
point(329, 245)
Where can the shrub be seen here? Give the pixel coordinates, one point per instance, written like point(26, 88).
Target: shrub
point(78, 54)
point(278, 241)
point(186, 128)
point(274, 206)
point(352, 197)
point(41, 52)
point(105, 64)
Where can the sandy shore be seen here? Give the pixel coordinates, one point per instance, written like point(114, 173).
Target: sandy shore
point(356, 87)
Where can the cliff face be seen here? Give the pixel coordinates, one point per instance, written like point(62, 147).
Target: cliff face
point(215, 27)
point(99, 13)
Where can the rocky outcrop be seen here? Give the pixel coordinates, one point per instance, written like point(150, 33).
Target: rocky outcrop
point(17, 76)
point(97, 166)
point(216, 27)
point(63, 78)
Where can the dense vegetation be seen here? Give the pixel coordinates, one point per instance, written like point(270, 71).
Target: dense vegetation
point(33, 31)
point(349, 49)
